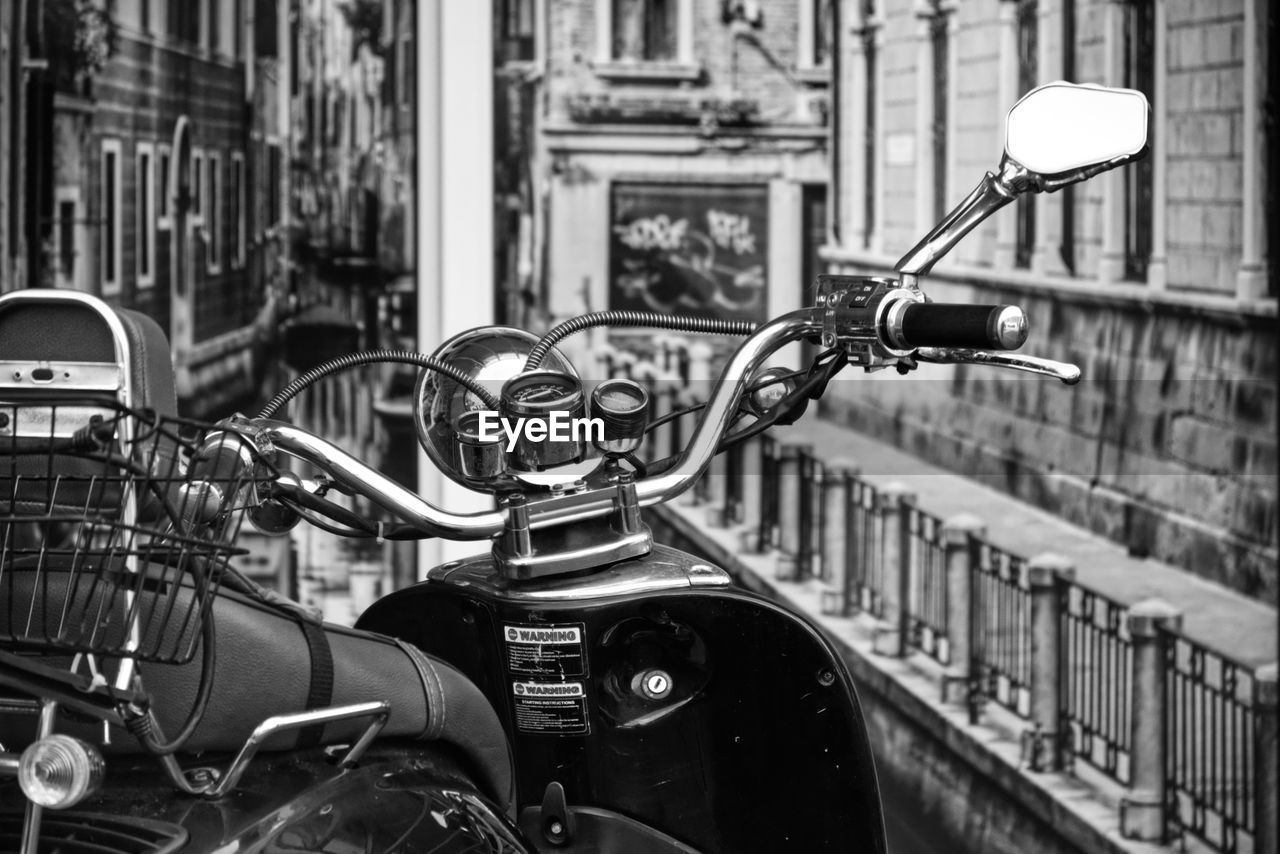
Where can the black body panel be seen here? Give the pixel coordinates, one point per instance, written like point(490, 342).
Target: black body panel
point(759, 745)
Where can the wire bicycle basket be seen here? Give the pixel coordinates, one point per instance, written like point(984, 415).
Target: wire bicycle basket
point(116, 527)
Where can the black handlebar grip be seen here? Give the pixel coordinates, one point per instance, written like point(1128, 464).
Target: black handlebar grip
point(935, 324)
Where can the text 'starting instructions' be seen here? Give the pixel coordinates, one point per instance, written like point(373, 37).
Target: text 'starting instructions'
point(551, 707)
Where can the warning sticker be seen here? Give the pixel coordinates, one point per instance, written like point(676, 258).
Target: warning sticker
point(545, 650)
point(551, 707)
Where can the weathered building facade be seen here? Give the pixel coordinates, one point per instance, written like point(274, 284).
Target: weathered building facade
point(678, 158)
point(149, 173)
point(1153, 278)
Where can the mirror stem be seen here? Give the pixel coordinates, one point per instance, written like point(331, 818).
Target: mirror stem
point(994, 192)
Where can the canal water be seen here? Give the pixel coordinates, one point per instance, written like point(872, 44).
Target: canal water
point(909, 830)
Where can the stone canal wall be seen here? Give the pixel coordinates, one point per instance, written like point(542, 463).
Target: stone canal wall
point(967, 784)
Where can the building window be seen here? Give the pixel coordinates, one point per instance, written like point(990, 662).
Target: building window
point(144, 215)
point(110, 217)
point(660, 231)
point(869, 153)
point(183, 20)
point(236, 198)
point(817, 22)
point(645, 30)
point(1025, 228)
point(197, 186)
point(1140, 49)
point(66, 242)
point(406, 70)
point(1068, 248)
point(517, 25)
point(214, 12)
point(163, 165)
point(212, 218)
point(940, 45)
point(273, 183)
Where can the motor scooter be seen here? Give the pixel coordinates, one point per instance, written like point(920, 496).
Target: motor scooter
point(577, 687)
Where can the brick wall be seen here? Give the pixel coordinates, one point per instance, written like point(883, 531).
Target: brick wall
point(1168, 444)
point(140, 95)
point(1206, 63)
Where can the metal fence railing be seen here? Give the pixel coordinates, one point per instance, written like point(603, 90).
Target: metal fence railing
point(1095, 674)
point(926, 607)
point(1209, 745)
point(734, 483)
point(770, 477)
point(810, 518)
point(1000, 628)
point(864, 573)
point(973, 607)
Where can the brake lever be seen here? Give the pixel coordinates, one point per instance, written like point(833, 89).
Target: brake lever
point(1065, 371)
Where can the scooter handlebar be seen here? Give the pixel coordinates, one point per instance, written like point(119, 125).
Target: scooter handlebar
point(909, 325)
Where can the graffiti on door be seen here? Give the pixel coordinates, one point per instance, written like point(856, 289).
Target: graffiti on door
point(690, 249)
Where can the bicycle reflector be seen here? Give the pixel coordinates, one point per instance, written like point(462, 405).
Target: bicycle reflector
point(60, 771)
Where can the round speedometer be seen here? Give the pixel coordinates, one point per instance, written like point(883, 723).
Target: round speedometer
point(544, 411)
point(542, 392)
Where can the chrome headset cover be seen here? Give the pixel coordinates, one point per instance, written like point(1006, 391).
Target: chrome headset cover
point(490, 355)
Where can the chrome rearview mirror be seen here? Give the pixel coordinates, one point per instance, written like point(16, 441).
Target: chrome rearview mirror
point(1059, 128)
point(1058, 134)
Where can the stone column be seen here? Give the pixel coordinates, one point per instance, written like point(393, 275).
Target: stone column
point(1142, 809)
point(697, 391)
point(895, 558)
point(1266, 760)
point(1111, 261)
point(1006, 220)
point(1046, 255)
point(789, 486)
point(700, 375)
point(604, 31)
point(684, 32)
point(924, 13)
point(875, 228)
point(1251, 280)
point(835, 557)
point(1158, 264)
point(853, 125)
point(1043, 572)
point(956, 533)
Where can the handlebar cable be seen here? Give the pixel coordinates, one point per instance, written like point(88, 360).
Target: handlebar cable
point(811, 389)
point(143, 726)
point(369, 357)
point(819, 375)
point(353, 524)
point(698, 407)
point(625, 317)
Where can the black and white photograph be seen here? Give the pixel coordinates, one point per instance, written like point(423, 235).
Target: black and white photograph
point(629, 426)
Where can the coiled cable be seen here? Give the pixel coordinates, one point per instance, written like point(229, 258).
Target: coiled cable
point(369, 357)
point(623, 317)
